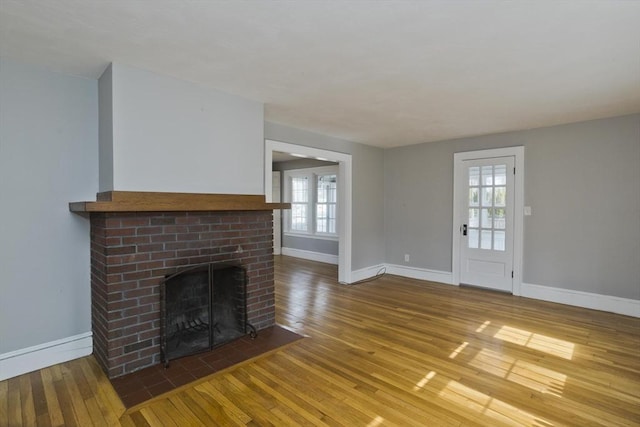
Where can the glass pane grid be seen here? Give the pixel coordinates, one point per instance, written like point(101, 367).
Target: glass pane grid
point(327, 187)
point(313, 200)
point(299, 217)
point(487, 207)
point(299, 190)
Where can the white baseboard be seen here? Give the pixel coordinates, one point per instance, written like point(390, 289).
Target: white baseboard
point(367, 272)
point(312, 256)
point(628, 307)
point(421, 273)
point(40, 356)
point(625, 306)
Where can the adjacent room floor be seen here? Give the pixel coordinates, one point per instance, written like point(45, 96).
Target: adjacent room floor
point(394, 351)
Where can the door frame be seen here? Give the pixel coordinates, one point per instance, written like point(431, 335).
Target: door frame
point(518, 214)
point(277, 215)
point(344, 194)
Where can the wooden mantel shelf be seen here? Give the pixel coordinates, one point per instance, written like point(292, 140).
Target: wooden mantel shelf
point(135, 201)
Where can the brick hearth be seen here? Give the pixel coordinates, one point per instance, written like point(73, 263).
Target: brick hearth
point(132, 253)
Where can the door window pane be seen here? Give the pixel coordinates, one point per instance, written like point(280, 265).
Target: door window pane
point(487, 219)
point(473, 239)
point(473, 218)
point(474, 199)
point(499, 219)
point(487, 196)
point(474, 175)
point(487, 175)
point(485, 241)
point(499, 240)
point(500, 175)
point(499, 196)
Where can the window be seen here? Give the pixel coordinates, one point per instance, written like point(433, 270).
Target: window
point(326, 203)
point(299, 203)
point(313, 194)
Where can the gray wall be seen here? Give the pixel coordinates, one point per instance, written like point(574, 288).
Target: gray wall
point(368, 182)
point(582, 181)
point(48, 157)
point(322, 246)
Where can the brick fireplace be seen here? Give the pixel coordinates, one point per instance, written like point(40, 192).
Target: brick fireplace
point(137, 239)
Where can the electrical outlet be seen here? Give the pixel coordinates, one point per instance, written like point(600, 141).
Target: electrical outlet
point(407, 258)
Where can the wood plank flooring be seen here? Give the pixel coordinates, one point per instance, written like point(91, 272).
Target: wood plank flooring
point(394, 351)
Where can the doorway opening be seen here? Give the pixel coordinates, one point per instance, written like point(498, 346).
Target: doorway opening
point(344, 192)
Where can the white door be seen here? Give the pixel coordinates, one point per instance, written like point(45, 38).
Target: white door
point(487, 223)
point(277, 213)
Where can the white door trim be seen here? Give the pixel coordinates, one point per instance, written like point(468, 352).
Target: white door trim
point(518, 232)
point(344, 194)
point(277, 213)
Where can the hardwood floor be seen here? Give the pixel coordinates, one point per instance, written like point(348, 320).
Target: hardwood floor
point(393, 351)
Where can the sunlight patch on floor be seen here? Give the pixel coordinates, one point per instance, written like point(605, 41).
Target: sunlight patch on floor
point(496, 409)
point(527, 374)
point(420, 384)
point(376, 421)
point(549, 345)
point(457, 351)
point(483, 326)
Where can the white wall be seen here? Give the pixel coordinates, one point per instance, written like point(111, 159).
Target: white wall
point(48, 157)
point(172, 135)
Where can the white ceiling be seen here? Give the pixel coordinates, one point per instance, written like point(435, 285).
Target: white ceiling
point(384, 73)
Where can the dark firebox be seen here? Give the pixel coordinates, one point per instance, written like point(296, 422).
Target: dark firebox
point(202, 307)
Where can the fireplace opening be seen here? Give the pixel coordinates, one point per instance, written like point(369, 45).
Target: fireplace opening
point(202, 307)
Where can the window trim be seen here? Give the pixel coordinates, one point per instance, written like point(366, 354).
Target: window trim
point(312, 175)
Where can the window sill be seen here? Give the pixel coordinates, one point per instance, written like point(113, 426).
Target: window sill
point(312, 236)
